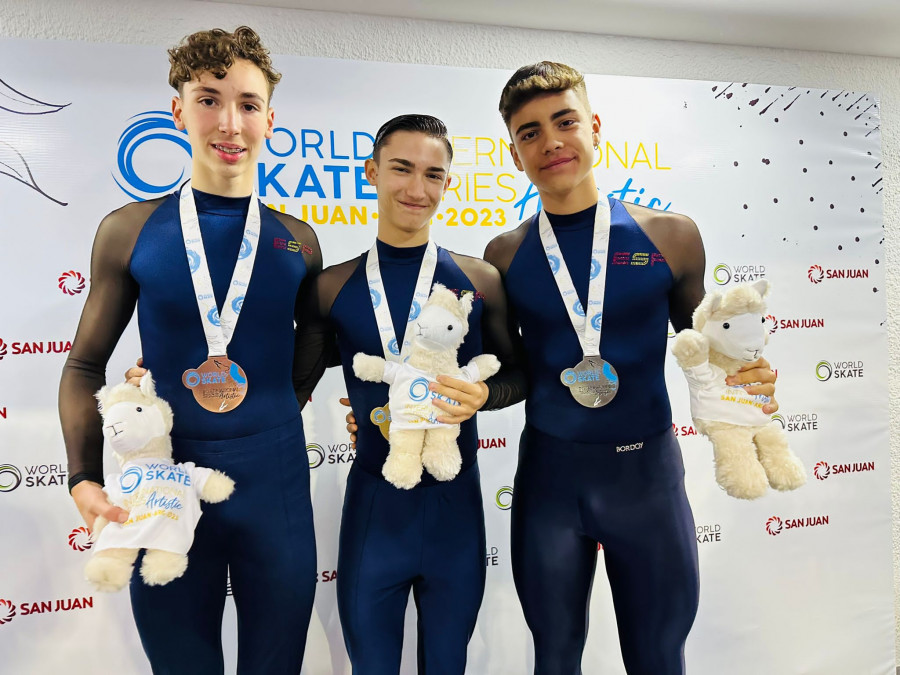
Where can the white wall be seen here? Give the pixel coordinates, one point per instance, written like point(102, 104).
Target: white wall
point(164, 22)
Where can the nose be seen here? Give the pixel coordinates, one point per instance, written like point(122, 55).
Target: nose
point(229, 120)
point(551, 143)
point(415, 188)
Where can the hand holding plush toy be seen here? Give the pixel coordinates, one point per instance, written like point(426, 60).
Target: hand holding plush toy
point(163, 498)
point(417, 439)
point(750, 453)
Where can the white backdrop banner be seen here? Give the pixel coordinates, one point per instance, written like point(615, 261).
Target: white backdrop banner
point(783, 182)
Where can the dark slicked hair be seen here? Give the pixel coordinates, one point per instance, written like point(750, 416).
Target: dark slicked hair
point(214, 51)
point(545, 77)
point(425, 124)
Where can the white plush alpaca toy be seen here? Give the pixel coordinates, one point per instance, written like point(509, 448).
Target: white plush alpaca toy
point(162, 498)
point(750, 452)
point(417, 439)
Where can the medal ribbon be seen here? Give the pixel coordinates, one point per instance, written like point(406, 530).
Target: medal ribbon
point(393, 351)
point(588, 321)
point(218, 326)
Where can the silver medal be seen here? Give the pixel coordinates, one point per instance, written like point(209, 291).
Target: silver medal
point(593, 382)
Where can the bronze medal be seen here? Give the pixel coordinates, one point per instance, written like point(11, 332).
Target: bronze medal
point(218, 384)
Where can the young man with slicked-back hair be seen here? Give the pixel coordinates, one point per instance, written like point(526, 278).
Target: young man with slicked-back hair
point(153, 254)
point(598, 461)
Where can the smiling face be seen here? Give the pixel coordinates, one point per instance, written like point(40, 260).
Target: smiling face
point(553, 140)
point(227, 121)
point(411, 175)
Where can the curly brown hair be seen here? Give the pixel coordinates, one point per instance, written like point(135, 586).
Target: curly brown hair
point(214, 51)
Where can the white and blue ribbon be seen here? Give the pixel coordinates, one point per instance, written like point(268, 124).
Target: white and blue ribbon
point(393, 351)
point(587, 322)
point(218, 325)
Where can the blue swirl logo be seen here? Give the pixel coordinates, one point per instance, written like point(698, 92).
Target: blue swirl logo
point(191, 379)
point(246, 249)
point(213, 316)
point(577, 308)
point(414, 311)
point(418, 390)
point(597, 320)
point(376, 297)
point(393, 347)
point(237, 304)
point(569, 376)
point(130, 480)
point(554, 263)
point(193, 260)
point(595, 268)
point(152, 125)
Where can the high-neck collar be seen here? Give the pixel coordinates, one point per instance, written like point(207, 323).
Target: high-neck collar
point(573, 221)
point(398, 254)
point(217, 204)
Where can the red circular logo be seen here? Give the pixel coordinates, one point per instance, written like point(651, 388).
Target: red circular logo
point(816, 274)
point(773, 525)
point(773, 323)
point(71, 282)
point(2, 349)
point(80, 539)
point(822, 470)
point(7, 611)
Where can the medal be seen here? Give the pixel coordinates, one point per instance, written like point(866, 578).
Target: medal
point(593, 382)
point(218, 384)
point(381, 418)
point(394, 351)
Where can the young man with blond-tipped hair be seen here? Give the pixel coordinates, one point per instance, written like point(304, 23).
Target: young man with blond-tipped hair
point(598, 461)
point(155, 255)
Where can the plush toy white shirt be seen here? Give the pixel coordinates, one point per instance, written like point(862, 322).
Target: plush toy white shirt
point(163, 502)
point(410, 397)
point(714, 401)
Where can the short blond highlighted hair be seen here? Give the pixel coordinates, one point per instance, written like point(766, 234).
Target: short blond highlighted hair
point(545, 77)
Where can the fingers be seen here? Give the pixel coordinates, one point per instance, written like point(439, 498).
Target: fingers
point(113, 513)
point(134, 374)
point(770, 407)
point(351, 422)
point(469, 397)
point(91, 501)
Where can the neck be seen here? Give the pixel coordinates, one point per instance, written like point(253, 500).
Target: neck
point(581, 197)
point(223, 186)
point(393, 236)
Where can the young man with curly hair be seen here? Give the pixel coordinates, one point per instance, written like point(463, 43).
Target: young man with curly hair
point(186, 261)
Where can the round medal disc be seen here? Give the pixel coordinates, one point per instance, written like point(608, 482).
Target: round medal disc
point(593, 382)
point(381, 417)
point(218, 384)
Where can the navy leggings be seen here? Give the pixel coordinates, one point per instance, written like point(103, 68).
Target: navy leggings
point(567, 497)
point(428, 539)
point(264, 535)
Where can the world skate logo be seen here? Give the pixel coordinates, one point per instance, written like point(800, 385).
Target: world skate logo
point(316, 455)
point(504, 498)
point(80, 539)
point(10, 477)
point(129, 480)
point(150, 126)
point(7, 611)
point(724, 274)
point(71, 282)
point(418, 390)
point(774, 525)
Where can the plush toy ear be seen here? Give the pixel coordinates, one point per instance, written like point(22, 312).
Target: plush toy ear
point(465, 303)
point(148, 388)
point(762, 287)
point(715, 301)
point(101, 397)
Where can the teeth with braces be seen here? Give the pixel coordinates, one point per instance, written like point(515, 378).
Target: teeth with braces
point(230, 151)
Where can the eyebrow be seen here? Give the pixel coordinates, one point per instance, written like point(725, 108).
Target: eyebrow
point(554, 116)
point(410, 165)
point(244, 95)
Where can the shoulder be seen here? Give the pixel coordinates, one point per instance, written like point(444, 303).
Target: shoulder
point(663, 224)
point(132, 215)
point(299, 229)
point(340, 271)
point(501, 249)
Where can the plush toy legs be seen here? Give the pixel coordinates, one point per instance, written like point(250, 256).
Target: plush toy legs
point(111, 568)
point(161, 567)
point(738, 469)
point(784, 470)
point(441, 454)
point(403, 466)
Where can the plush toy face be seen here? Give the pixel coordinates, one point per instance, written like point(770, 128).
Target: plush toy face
point(740, 337)
point(437, 329)
point(128, 426)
